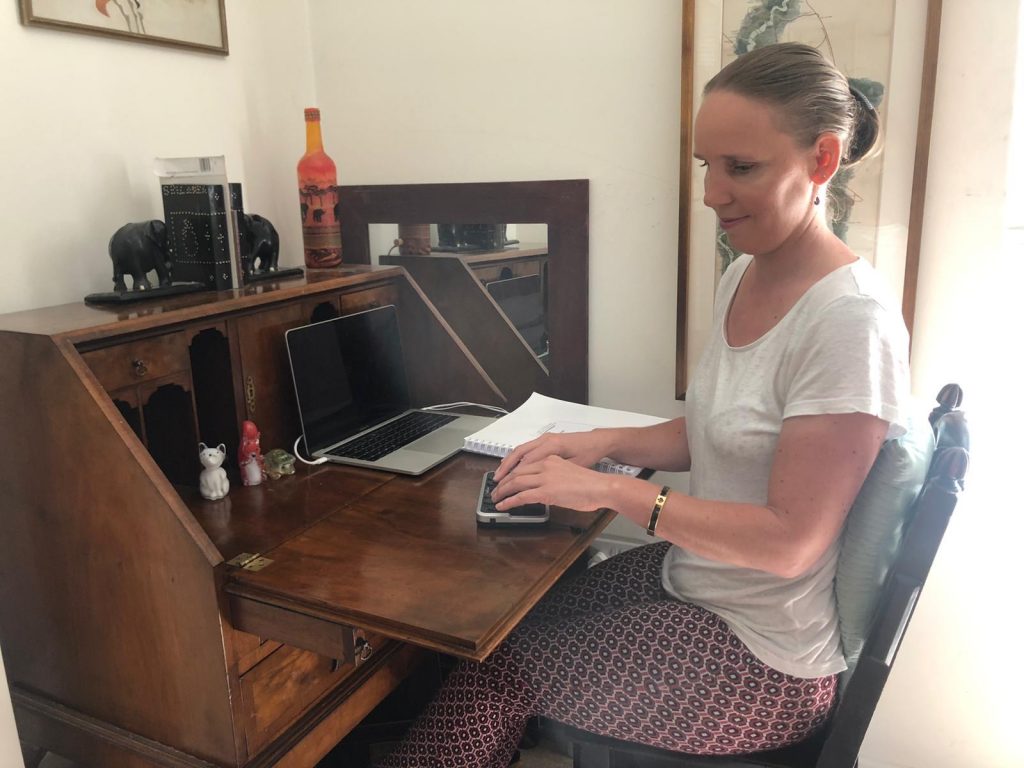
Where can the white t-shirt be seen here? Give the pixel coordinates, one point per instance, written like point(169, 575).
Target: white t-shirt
point(842, 348)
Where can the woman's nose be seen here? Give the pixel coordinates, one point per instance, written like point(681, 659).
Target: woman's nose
point(716, 190)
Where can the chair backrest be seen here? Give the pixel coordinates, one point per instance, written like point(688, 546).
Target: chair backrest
point(874, 531)
point(929, 517)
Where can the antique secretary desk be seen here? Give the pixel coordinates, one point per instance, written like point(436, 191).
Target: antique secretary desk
point(142, 625)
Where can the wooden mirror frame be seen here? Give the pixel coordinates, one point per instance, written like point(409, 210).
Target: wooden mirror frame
point(564, 206)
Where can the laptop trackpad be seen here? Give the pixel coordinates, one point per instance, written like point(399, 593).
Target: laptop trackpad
point(444, 440)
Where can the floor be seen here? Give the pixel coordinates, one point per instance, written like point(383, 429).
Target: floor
point(546, 754)
point(540, 756)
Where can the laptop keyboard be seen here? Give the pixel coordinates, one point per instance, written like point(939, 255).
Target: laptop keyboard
point(393, 435)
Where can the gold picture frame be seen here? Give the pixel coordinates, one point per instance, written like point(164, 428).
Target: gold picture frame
point(200, 25)
point(912, 175)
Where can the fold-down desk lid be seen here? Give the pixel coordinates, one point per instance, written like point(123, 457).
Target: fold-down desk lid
point(408, 561)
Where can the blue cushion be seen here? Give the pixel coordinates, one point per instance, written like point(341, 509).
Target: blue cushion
point(874, 531)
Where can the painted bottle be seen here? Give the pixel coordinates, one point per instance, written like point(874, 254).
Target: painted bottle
point(318, 199)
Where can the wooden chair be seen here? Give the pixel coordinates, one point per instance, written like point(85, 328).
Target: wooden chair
point(838, 743)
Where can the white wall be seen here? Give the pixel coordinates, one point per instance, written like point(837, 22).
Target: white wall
point(456, 91)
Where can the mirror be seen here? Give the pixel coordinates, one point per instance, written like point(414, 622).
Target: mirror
point(505, 263)
point(509, 261)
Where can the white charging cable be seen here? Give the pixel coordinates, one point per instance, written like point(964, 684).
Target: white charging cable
point(295, 450)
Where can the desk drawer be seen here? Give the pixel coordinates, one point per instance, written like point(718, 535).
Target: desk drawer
point(286, 683)
point(250, 650)
point(124, 365)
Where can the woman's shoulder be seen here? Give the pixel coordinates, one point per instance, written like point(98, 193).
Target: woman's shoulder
point(849, 301)
point(857, 284)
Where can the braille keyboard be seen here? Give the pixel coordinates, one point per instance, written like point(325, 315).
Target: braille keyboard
point(488, 509)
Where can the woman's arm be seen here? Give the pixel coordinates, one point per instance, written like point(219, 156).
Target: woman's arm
point(660, 446)
point(819, 466)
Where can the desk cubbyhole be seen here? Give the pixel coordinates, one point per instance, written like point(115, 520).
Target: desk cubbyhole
point(129, 410)
point(325, 310)
point(170, 429)
point(212, 384)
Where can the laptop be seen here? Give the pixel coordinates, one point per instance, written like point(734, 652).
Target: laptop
point(353, 397)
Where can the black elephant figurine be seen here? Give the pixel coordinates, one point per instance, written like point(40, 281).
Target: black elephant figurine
point(259, 245)
point(137, 249)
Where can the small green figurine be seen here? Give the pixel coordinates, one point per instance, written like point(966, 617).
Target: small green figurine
point(279, 462)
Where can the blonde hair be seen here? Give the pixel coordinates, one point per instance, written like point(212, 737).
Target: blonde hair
point(812, 96)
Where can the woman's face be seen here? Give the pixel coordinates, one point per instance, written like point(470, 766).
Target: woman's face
point(757, 179)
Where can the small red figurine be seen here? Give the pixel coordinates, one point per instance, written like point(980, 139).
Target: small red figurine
point(250, 460)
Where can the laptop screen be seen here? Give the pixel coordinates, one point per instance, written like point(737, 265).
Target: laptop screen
point(349, 375)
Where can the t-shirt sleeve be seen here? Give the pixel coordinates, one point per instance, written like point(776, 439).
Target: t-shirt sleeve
point(853, 359)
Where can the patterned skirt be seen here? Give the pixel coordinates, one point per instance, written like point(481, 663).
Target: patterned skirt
point(612, 653)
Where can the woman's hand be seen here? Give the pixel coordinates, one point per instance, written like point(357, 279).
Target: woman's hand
point(553, 480)
point(582, 448)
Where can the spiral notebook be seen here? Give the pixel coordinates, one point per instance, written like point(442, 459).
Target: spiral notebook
point(541, 414)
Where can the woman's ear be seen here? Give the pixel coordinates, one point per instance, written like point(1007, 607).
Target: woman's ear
point(827, 154)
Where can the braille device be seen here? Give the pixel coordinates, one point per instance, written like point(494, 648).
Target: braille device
point(487, 515)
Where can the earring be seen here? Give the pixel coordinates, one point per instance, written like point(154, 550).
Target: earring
point(817, 200)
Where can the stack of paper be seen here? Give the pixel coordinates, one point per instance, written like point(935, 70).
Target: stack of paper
point(541, 414)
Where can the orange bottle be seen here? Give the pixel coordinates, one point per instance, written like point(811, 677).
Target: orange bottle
point(318, 199)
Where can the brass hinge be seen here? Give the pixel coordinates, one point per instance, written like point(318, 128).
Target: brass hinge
point(250, 562)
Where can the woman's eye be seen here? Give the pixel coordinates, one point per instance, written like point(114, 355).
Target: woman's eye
point(742, 168)
point(703, 163)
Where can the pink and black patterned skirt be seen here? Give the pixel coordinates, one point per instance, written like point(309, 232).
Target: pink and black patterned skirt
point(612, 653)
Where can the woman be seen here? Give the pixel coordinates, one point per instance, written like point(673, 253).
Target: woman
point(724, 638)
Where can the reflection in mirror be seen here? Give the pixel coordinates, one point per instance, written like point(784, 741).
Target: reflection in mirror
point(509, 261)
point(554, 361)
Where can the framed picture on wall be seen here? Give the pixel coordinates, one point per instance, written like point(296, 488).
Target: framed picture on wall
point(888, 50)
point(198, 24)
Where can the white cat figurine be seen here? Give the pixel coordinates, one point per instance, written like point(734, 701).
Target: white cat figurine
point(213, 480)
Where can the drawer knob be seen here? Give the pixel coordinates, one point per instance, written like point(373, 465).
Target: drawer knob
point(363, 649)
point(140, 368)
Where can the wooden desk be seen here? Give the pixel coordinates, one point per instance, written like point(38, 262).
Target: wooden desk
point(130, 638)
point(409, 561)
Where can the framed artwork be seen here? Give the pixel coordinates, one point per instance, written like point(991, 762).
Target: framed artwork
point(197, 24)
point(889, 52)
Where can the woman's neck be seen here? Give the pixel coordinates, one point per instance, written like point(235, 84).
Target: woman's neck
point(807, 255)
point(774, 282)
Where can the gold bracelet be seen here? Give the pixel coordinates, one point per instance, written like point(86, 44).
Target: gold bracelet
point(658, 504)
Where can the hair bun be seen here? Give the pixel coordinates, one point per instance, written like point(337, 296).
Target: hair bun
point(866, 127)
